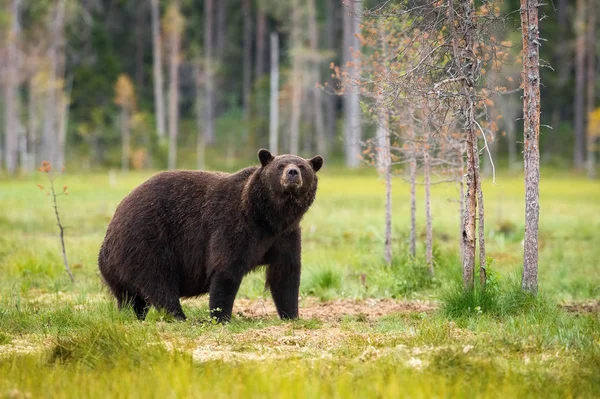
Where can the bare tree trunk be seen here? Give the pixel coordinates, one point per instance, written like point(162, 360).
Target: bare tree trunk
point(413, 193)
point(221, 30)
point(316, 79)
point(209, 119)
point(465, 60)
point(174, 60)
point(579, 149)
point(274, 97)
point(50, 148)
point(352, 117)
point(125, 141)
point(384, 154)
point(261, 32)
point(481, 229)
point(33, 124)
point(428, 223)
point(247, 62)
point(63, 121)
point(11, 95)
point(330, 43)
point(200, 146)
point(461, 188)
point(591, 84)
point(531, 117)
point(296, 77)
point(139, 42)
point(158, 71)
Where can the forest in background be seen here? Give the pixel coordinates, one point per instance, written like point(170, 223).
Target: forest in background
point(107, 83)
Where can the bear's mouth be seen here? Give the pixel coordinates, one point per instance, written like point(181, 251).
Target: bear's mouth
point(290, 185)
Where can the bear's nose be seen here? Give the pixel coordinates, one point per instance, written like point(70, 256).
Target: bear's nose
point(293, 172)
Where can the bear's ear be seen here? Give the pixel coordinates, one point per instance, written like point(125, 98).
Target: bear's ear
point(316, 162)
point(265, 157)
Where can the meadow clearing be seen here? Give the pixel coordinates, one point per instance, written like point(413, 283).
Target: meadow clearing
point(366, 329)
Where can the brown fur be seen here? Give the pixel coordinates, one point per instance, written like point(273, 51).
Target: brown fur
point(187, 233)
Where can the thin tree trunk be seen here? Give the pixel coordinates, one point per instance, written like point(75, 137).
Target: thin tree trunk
point(174, 60)
point(261, 32)
point(388, 194)
point(11, 94)
point(209, 119)
point(63, 121)
point(316, 79)
point(481, 228)
point(385, 168)
point(352, 119)
point(330, 43)
point(579, 103)
point(296, 48)
point(413, 193)
point(531, 117)
point(591, 84)
point(200, 146)
point(139, 42)
point(428, 223)
point(274, 97)
point(158, 71)
point(247, 64)
point(33, 123)
point(125, 149)
point(461, 187)
point(464, 58)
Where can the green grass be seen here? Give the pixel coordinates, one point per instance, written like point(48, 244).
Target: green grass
point(59, 339)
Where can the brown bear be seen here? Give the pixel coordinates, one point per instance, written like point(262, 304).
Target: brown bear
point(187, 233)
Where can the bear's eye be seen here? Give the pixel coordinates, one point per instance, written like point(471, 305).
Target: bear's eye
point(281, 167)
point(301, 167)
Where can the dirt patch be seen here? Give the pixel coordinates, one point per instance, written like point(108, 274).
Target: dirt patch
point(312, 308)
point(582, 307)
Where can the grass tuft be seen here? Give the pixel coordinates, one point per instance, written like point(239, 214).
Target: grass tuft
point(107, 345)
point(501, 297)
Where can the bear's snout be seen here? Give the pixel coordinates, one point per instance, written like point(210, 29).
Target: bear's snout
point(291, 177)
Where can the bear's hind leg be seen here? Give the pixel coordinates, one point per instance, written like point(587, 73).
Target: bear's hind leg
point(170, 303)
point(137, 302)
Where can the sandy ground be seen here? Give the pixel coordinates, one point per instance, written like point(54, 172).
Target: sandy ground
point(312, 308)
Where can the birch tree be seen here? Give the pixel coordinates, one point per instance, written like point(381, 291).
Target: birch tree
point(591, 84)
point(11, 94)
point(173, 27)
point(351, 99)
point(296, 77)
point(579, 103)
point(51, 150)
point(274, 96)
point(316, 78)
point(209, 94)
point(157, 69)
point(247, 63)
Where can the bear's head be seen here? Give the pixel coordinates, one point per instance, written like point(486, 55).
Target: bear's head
point(290, 175)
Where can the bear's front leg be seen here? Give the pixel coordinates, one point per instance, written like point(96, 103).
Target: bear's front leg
point(283, 274)
point(223, 289)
